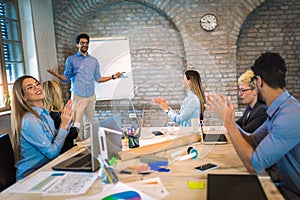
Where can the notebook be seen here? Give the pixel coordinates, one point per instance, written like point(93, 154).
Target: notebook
point(234, 187)
point(214, 139)
point(86, 161)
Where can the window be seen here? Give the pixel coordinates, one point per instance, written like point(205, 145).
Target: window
point(11, 55)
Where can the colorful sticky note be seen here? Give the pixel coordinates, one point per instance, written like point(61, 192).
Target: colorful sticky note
point(157, 165)
point(196, 184)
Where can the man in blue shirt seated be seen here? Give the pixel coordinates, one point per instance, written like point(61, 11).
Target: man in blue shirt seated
point(278, 139)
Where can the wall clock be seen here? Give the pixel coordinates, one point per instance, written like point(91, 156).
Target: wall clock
point(209, 22)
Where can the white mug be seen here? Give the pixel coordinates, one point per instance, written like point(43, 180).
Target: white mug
point(171, 128)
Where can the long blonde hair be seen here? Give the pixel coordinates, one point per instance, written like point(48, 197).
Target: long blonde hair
point(53, 100)
point(196, 87)
point(19, 108)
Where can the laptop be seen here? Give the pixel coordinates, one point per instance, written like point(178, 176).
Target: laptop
point(234, 187)
point(86, 161)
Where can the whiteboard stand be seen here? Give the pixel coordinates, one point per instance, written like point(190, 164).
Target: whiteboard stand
point(113, 55)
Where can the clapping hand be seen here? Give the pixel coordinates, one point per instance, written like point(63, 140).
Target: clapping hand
point(66, 115)
point(161, 103)
point(218, 104)
point(80, 106)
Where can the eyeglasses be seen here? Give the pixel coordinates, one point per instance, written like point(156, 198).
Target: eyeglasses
point(82, 43)
point(32, 86)
point(242, 91)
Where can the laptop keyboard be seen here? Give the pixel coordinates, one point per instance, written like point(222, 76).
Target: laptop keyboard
point(82, 162)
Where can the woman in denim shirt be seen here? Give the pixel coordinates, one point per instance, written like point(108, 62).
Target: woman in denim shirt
point(35, 140)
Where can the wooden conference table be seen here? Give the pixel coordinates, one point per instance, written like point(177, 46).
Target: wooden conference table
point(175, 181)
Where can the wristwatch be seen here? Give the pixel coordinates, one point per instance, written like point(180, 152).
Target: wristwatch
point(113, 76)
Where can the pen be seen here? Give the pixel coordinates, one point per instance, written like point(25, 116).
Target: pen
point(107, 175)
point(125, 172)
point(111, 172)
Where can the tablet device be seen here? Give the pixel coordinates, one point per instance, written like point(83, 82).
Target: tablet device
point(214, 139)
point(234, 187)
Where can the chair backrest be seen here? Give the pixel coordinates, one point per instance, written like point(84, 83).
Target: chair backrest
point(7, 163)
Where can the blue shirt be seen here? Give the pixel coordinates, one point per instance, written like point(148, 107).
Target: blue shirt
point(190, 108)
point(279, 141)
point(39, 142)
point(82, 71)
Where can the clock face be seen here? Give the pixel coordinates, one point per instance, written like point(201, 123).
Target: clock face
point(208, 22)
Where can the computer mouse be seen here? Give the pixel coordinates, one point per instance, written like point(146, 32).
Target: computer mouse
point(128, 195)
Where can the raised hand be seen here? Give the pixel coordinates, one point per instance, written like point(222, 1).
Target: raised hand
point(66, 115)
point(218, 104)
point(161, 103)
point(52, 71)
point(118, 74)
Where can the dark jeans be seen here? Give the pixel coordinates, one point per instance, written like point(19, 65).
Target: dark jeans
point(288, 194)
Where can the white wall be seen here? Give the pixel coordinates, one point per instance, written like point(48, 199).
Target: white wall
point(38, 37)
point(27, 34)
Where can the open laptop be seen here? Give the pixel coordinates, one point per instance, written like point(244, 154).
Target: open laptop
point(86, 161)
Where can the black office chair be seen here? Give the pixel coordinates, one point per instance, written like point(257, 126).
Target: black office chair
point(7, 163)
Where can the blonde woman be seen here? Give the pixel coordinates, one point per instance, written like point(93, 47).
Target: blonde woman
point(53, 102)
point(35, 139)
point(192, 105)
point(255, 113)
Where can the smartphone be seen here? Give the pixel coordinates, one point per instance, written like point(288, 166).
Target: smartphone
point(157, 133)
point(206, 167)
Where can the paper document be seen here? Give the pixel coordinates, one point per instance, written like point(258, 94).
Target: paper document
point(57, 183)
point(152, 187)
point(117, 191)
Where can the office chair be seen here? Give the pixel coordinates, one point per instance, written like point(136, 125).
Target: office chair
point(7, 163)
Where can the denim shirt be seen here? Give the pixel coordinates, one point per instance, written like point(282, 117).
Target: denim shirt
point(279, 141)
point(190, 108)
point(83, 72)
point(39, 142)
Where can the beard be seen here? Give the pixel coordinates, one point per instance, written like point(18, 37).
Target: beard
point(259, 95)
point(83, 49)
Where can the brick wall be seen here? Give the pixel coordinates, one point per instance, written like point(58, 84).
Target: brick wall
point(166, 39)
point(274, 26)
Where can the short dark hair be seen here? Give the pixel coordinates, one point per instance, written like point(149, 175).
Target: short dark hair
point(271, 68)
point(82, 35)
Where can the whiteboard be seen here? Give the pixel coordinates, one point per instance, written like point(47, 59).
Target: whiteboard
point(113, 55)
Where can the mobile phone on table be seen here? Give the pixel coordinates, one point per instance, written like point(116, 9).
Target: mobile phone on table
point(157, 133)
point(206, 167)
